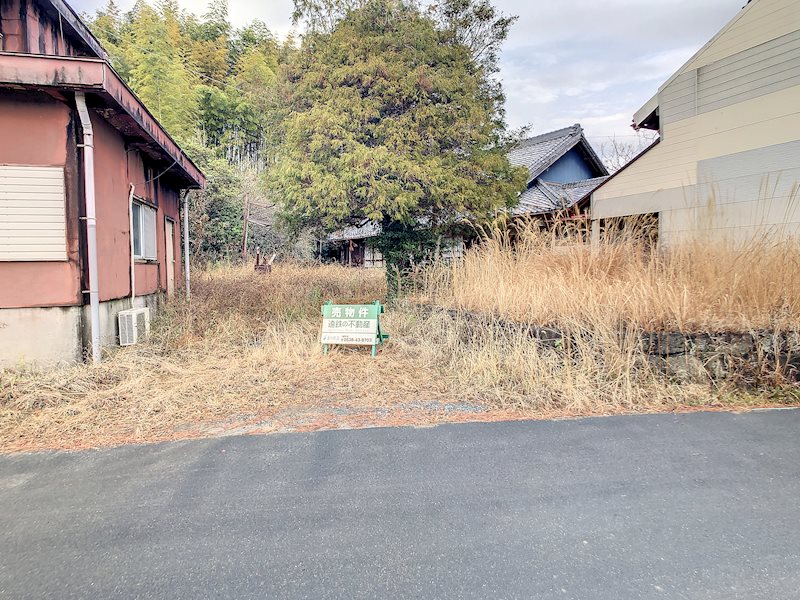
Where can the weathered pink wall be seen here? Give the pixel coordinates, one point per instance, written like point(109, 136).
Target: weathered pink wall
point(115, 168)
point(43, 130)
point(39, 130)
point(27, 29)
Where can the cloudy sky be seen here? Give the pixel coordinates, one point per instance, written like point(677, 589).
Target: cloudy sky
point(593, 62)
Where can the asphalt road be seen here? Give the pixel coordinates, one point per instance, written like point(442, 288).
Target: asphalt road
point(670, 506)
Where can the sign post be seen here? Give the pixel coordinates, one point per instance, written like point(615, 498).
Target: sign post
point(352, 325)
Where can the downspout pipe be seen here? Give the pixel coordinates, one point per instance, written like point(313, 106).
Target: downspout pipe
point(186, 244)
point(91, 222)
point(133, 257)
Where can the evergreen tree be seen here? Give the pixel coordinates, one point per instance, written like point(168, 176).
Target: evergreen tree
point(383, 113)
point(390, 118)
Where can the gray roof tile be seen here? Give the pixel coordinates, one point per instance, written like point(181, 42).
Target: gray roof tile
point(544, 196)
point(539, 152)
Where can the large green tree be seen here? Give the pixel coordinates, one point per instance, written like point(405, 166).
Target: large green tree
point(391, 118)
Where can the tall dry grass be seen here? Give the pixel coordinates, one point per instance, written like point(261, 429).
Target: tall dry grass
point(246, 347)
point(562, 281)
point(246, 344)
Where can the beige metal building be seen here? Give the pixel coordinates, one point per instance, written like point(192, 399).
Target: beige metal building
point(727, 162)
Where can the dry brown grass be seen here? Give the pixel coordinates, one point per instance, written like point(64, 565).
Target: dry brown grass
point(245, 345)
point(564, 282)
point(246, 348)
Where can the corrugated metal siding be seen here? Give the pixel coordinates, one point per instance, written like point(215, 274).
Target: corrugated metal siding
point(730, 164)
point(782, 160)
point(32, 213)
point(764, 69)
point(756, 123)
point(754, 188)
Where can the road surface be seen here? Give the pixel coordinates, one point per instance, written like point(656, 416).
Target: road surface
point(701, 505)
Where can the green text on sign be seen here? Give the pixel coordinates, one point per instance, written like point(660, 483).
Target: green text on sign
point(352, 325)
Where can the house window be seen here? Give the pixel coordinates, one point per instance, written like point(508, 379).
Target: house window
point(144, 231)
point(32, 213)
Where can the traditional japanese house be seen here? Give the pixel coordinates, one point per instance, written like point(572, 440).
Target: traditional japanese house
point(563, 169)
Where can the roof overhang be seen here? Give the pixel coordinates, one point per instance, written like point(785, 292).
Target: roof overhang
point(593, 157)
point(647, 116)
point(111, 97)
point(366, 229)
point(70, 19)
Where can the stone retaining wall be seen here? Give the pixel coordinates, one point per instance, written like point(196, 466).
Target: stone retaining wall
point(720, 355)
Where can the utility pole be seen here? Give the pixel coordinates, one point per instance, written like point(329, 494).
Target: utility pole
point(186, 242)
point(246, 220)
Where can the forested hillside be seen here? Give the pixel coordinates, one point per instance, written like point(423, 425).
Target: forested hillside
point(386, 111)
point(212, 86)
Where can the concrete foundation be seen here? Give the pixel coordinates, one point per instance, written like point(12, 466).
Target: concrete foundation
point(109, 326)
point(42, 337)
point(57, 336)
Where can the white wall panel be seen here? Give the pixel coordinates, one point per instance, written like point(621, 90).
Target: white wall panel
point(32, 213)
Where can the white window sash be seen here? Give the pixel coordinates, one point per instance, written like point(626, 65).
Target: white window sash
point(147, 232)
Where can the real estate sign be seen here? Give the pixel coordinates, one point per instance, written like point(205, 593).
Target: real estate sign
point(352, 325)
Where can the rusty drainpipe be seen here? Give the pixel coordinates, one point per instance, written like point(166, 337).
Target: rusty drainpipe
point(91, 221)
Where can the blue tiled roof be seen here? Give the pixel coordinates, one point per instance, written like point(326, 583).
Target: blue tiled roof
point(540, 152)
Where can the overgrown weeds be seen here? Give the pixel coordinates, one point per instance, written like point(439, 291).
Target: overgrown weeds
point(557, 278)
point(246, 347)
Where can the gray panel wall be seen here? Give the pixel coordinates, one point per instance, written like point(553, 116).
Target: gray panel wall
point(678, 100)
point(757, 71)
point(738, 196)
point(766, 173)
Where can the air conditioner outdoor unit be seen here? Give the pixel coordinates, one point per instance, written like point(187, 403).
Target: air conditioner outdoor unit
point(134, 325)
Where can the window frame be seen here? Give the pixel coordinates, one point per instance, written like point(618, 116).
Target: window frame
point(139, 230)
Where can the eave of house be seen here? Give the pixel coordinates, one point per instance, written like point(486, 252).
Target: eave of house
point(366, 229)
point(111, 97)
point(647, 116)
point(71, 20)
